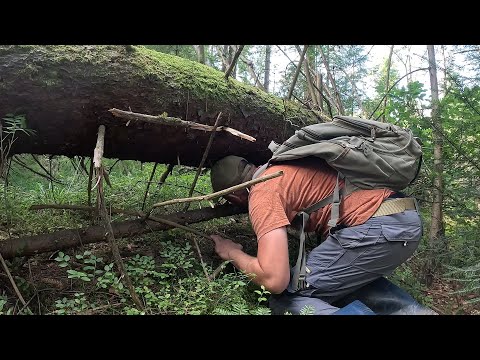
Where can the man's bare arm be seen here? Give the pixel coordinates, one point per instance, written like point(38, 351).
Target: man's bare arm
point(270, 268)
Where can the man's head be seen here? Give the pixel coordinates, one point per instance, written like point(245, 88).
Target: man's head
point(230, 171)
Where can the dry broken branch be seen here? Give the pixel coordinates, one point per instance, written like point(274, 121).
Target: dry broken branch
point(173, 121)
point(97, 160)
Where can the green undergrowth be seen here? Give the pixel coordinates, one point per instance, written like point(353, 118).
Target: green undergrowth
point(164, 266)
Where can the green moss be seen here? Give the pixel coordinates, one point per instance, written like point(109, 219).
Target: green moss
point(133, 62)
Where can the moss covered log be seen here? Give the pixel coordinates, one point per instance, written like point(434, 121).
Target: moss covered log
point(65, 93)
point(64, 239)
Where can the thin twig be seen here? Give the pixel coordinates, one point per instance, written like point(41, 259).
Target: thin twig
point(40, 164)
point(12, 281)
point(219, 269)
point(16, 160)
point(97, 160)
point(148, 185)
point(297, 72)
point(204, 157)
point(168, 120)
point(388, 91)
point(167, 171)
point(89, 186)
point(234, 61)
point(222, 192)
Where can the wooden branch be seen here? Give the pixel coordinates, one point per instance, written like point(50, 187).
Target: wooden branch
point(64, 239)
point(98, 151)
point(222, 192)
point(80, 208)
point(219, 269)
point(148, 185)
point(310, 83)
point(17, 161)
point(12, 281)
point(391, 87)
point(40, 164)
point(297, 72)
point(172, 121)
point(251, 70)
point(322, 116)
point(97, 160)
point(332, 80)
point(167, 171)
point(204, 157)
point(234, 61)
point(89, 186)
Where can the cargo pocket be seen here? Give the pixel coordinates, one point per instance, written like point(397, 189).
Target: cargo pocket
point(360, 235)
point(402, 232)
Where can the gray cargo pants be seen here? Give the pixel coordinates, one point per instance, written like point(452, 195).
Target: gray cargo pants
point(355, 256)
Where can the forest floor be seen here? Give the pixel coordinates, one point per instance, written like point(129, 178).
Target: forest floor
point(446, 302)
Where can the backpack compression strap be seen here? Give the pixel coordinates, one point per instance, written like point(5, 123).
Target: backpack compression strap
point(299, 271)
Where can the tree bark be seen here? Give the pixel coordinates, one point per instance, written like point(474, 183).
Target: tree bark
point(200, 49)
point(65, 93)
point(63, 239)
point(297, 71)
point(308, 75)
point(436, 227)
point(338, 100)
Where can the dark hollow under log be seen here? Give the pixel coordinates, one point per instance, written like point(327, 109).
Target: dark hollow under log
point(63, 239)
point(65, 93)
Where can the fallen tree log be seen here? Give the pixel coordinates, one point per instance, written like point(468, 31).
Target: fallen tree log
point(63, 239)
point(66, 92)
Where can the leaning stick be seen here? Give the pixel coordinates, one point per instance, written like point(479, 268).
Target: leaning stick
point(222, 192)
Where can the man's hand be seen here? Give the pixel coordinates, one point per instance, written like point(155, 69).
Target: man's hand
point(224, 246)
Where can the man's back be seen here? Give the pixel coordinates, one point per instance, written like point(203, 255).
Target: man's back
point(274, 203)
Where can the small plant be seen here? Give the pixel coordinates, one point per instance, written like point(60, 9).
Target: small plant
point(71, 306)
point(62, 259)
point(4, 309)
point(261, 294)
point(307, 310)
point(74, 274)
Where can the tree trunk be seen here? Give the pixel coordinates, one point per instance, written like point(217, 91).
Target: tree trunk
point(308, 75)
point(65, 93)
point(336, 94)
point(63, 239)
point(200, 49)
point(268, 52)
point(387, 85)
point(436, 227)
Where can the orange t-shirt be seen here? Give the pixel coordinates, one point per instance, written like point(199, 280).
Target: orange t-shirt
point(274, 203)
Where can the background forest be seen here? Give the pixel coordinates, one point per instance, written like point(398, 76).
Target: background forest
point(434, 90)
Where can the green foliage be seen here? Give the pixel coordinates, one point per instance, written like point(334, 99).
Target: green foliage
point(469, 277)
point(4, 306)
point(75, 305)
point(307, 310)
point(407, 279)
point(261, 294)
point(14, 124)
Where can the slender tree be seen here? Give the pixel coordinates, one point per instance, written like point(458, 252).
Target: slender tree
point(200, 49)
point(389, 64)
point(268, 53)
point(436, 227)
